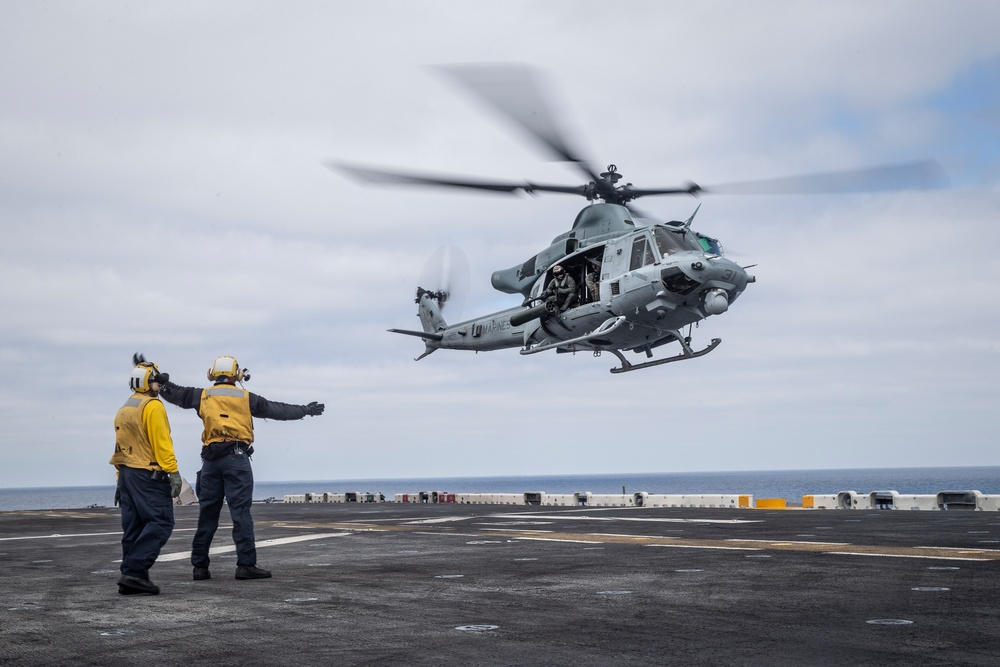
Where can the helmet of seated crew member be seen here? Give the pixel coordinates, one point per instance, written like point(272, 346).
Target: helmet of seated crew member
point(227, 369)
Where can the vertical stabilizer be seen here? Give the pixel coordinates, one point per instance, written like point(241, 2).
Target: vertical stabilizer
point(429, 311)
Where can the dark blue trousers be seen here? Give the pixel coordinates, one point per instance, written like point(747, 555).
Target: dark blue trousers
point(231, 479)
point(147, 519)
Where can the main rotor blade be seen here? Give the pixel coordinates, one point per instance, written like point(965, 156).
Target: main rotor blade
point(631, 192)
point(914, 175)
point(639, 214)
point(387, 177)
point(513, 90)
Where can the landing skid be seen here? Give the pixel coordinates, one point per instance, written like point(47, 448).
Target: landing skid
point(688, 353)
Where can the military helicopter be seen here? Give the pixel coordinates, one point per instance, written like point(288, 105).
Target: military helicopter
point(630, 288)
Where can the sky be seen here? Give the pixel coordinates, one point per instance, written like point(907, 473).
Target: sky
point(163, 190)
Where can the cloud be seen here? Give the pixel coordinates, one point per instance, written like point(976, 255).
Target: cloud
point(162, 189)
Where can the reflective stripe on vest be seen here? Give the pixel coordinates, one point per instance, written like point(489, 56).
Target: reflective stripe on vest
point(225, 411)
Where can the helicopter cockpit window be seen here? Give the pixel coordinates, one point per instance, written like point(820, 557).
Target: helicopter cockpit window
point(710, 245)
point(670, 241)
point(642, 254)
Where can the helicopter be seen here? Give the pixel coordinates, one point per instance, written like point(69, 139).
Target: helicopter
point(608, 284)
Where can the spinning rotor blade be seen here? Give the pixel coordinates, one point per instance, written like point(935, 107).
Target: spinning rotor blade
point(514, 91)
point(387, 177)
point(639, 214)
point(914, 175)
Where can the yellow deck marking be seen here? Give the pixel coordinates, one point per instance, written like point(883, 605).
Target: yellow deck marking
point(828, 548)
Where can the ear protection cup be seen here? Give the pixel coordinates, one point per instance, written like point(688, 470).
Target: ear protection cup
point(143, 376)
point(139, 380)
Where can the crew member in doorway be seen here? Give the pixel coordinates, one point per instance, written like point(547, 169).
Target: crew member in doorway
point(148, 479)
point(561, 289)
point(227, 443)
point(593, 280)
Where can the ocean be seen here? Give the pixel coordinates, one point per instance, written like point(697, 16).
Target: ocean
point(788, 484)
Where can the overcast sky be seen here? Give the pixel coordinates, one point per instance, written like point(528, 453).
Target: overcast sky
point(162, 190)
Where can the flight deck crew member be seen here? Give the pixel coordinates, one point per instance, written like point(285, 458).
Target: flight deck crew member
point(148, 479)
point(227, 443)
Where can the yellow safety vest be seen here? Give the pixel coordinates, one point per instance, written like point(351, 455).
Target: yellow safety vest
point(225, 410)
point(132, 446)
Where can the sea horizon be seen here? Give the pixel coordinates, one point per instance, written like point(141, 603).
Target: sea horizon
point(790, 484)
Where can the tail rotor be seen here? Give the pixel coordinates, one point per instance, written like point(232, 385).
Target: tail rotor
point(446, 277)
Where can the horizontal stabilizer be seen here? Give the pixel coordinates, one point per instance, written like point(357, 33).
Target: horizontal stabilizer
point(419, 334)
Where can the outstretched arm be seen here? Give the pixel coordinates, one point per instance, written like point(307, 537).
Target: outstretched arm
point(265, 409)
point(182, 397)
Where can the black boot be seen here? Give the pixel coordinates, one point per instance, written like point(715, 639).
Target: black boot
point(252, 572)
point(129, 585)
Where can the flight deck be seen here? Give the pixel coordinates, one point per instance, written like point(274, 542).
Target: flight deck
point(442, 584)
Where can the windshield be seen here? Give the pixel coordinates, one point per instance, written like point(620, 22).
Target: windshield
point(670, 241)
point(710, 245)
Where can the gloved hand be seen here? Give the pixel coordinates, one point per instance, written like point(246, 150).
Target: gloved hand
point(162, 378)
point(175, 484)
point(315, 409)
point(118, 496)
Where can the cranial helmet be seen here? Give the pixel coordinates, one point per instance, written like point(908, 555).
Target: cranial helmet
point(229, 368)
point(143, 377)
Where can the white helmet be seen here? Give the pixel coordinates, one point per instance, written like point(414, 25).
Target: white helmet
point(227, 367)
point(143, 376)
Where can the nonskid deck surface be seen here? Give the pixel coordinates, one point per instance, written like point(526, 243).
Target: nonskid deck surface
point(419, 584)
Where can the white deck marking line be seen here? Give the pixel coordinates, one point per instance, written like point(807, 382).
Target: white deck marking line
point(182, 555)
point(853, 553)
point(787, 542)
point(702, 546)
point(965, 550)
point(58, 535)
point(372, 520)
point(568, 517)
point(515, 529)
point(556, 539)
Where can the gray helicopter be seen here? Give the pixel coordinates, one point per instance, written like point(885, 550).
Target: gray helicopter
point(608, 284)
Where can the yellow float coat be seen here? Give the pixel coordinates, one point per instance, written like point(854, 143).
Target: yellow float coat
point(142, 435)
point(225, 410)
